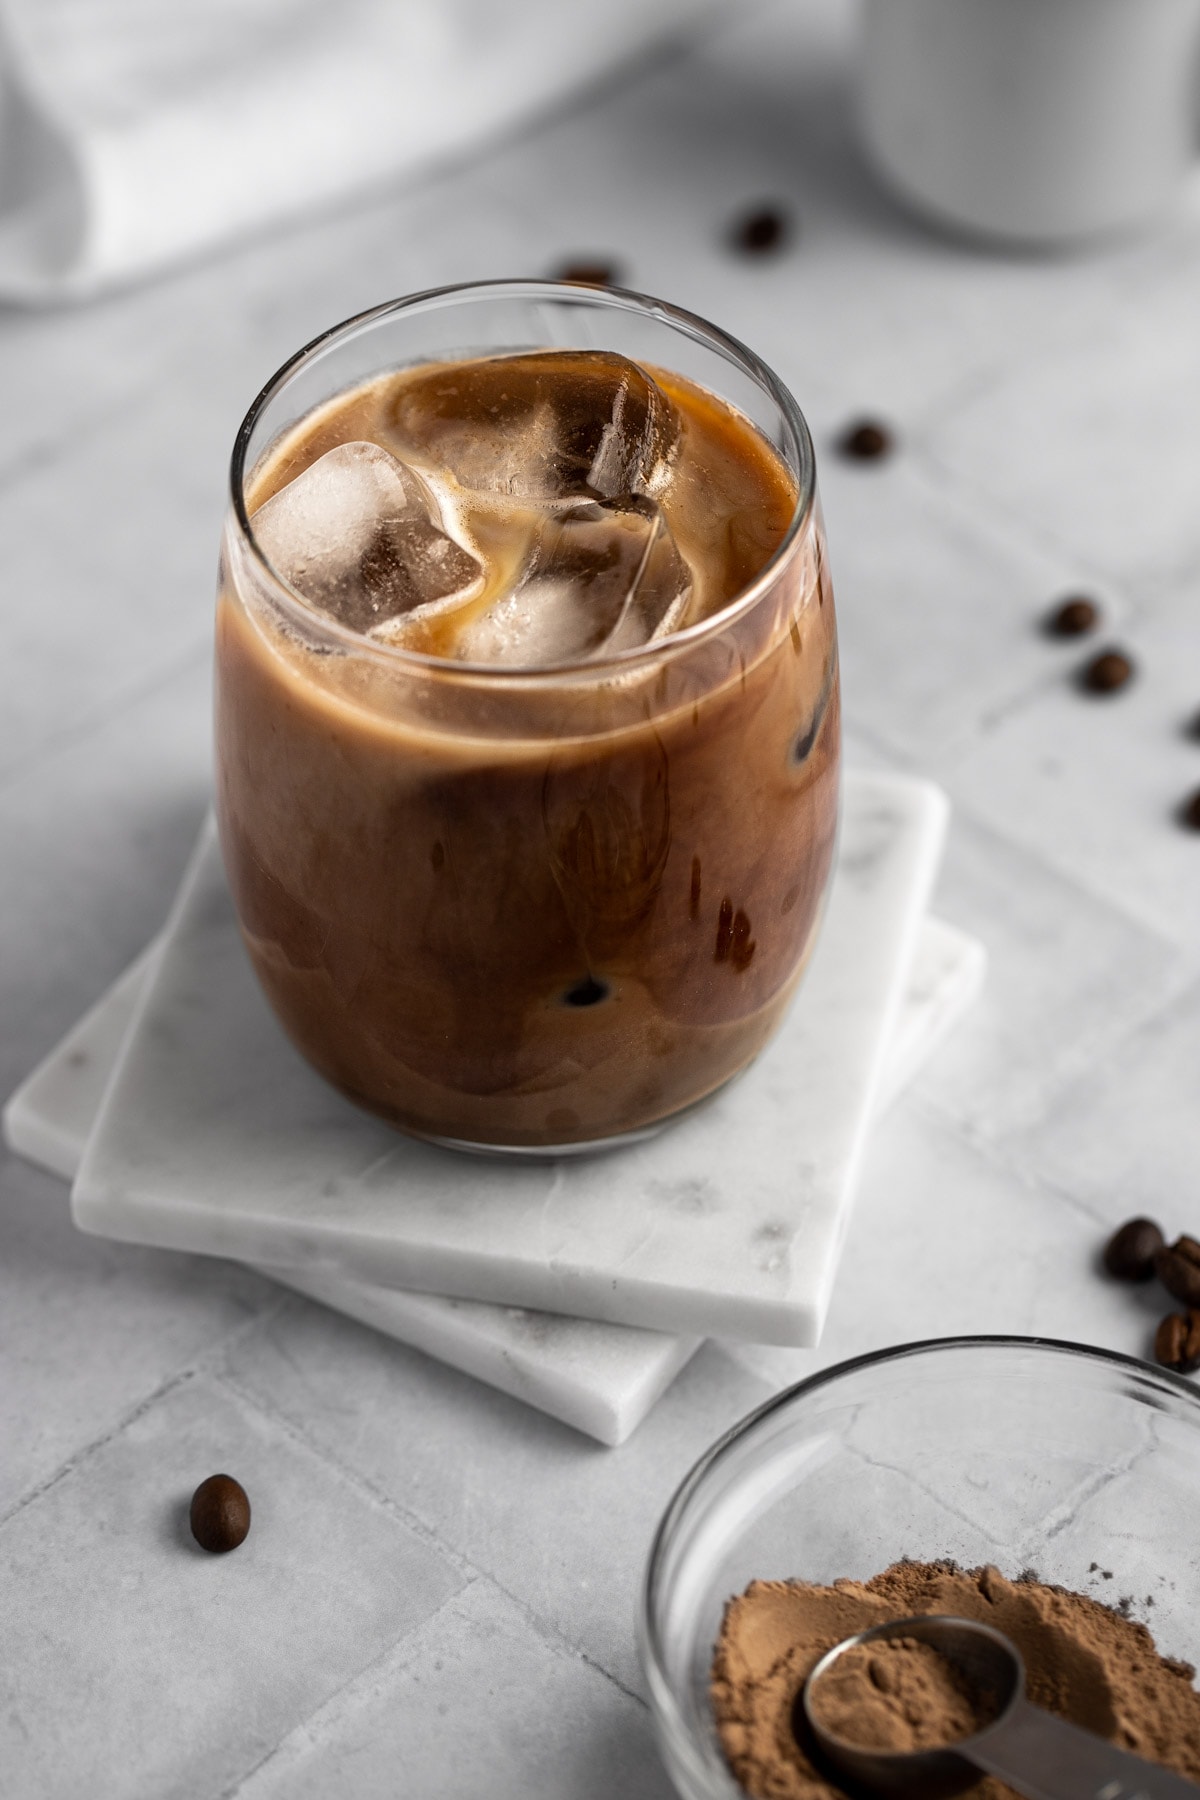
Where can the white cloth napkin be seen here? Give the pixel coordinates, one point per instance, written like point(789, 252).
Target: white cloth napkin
point(133, 132)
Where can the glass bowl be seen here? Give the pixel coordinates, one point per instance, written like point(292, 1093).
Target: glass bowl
point(1079, 1465)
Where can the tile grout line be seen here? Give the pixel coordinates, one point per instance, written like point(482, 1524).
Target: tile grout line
point(1093, 1056)
point(414, 1523)
point(897, 758)
point(198, 1366)
point(1003, 1160)
point(374, 1672)
point(84, 1455)
point(1000, 1158)
point(234, 1788)
point(1151, 928)
point(977, 497)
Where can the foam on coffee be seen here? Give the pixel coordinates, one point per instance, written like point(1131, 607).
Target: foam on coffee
point(527, 510)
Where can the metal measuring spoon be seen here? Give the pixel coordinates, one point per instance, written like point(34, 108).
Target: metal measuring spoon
point(1033, 1751)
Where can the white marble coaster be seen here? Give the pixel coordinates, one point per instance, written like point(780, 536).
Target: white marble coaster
point(215, 1136)
point(602, 1379)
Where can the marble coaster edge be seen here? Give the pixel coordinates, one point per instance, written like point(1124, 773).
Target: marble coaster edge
point(935, 822)
point(24, 1125)
point(441, 1328)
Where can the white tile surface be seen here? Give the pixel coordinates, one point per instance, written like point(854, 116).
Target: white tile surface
point(213, 1134)
point(96, 815)
point(89, 1331)
point(1046, 432)
point(1126, 1138)
point(1099, 410)
point(130, 1622)
point(452, 1702)
point(1094, 781)
point(555, 1520)
point(939, 609)
point(1070, 975)
point(601, 1378)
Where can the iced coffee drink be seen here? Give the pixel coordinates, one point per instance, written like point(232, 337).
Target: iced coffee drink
point(527, 711)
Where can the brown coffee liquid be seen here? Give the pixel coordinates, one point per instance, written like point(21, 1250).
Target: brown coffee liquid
point(540, 913)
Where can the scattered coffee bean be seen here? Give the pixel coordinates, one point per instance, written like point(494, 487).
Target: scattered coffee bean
point(761, 231)
point(1106, 672)
point(1130, 1252)
point(220, 1514)
point(866, 441)
point(1178, 1268)
point(590, 274)
point(1189, 812)
point(1177, 1342)
point(1071, 618)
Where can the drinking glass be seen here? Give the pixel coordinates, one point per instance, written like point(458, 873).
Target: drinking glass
point(528, 910)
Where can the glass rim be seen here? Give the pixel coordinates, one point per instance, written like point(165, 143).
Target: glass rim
point(628, 300)
point(664, 1704)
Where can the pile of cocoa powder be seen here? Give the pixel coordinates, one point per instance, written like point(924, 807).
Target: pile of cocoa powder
point(899, 1694)
point(1083, 1661)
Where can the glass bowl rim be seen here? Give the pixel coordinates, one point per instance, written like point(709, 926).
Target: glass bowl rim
point(663, 1704)
point(574, 293)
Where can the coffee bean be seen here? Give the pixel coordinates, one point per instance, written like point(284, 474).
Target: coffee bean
point(1106, 672)
point(1178, 1268)
point(1189, 812)
point(1130, 1251)
point(764, 229)
point(1177, 1342)
point(589, 274)
point(866, 441)
point(220, 1514)
point(1071, 618)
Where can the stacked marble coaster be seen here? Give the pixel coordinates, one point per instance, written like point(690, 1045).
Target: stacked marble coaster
point(579, 1284)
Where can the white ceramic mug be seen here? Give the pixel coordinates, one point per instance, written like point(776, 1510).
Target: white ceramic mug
point(1041, 121)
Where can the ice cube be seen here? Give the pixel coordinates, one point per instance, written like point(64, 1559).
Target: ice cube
point(553, 425)
point(360, 536)
point(604, 576)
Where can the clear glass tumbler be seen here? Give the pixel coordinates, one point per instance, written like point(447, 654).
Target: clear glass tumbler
point(530, 910)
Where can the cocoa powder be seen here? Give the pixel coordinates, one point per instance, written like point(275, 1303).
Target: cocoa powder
point(1083, 1662)
point(899, 1694)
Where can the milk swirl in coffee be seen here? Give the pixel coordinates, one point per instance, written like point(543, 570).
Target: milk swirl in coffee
point(523, 510)
point(527, 847)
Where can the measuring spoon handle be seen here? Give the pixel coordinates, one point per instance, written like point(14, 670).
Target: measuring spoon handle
point(1048, 1759)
